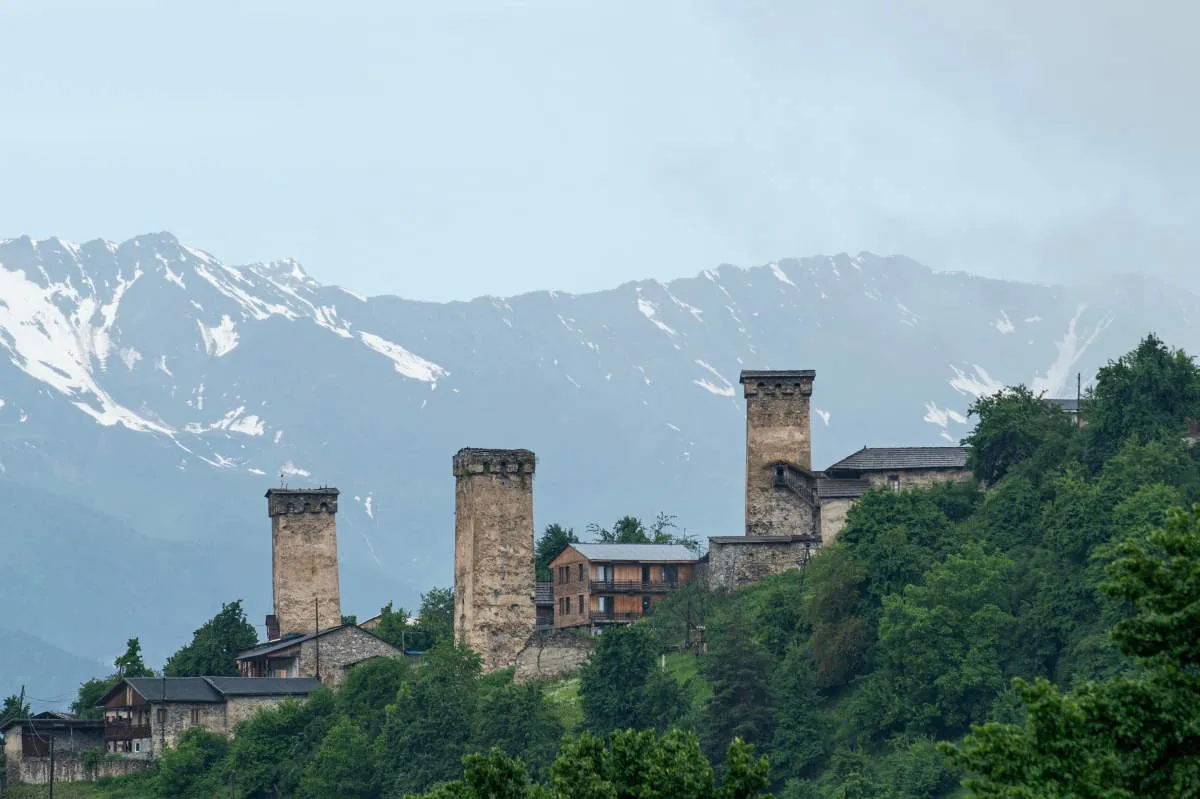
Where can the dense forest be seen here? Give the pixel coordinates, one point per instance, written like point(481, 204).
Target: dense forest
point(1032, 633)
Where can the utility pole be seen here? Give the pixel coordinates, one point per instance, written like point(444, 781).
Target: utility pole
point(317, 637)
point(52, 766)
point(1078, 398)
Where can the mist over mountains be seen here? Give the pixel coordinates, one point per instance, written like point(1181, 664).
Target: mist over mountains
point(150, 394)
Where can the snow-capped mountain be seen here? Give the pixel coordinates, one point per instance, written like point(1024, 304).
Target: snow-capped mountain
point(150, 394)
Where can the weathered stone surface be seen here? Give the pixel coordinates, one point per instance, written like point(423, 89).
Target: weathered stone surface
point(833, 517)
point(339, 650)
point(304, 559)
point(918, 478)
point(549, 654)
point(736, 561)
point(778, 432)
point(493, 553)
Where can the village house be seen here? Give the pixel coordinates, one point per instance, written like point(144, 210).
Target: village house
point(28, 745)
point(145, 715)
point(327, 655)
point(596, 584)
point(543, 600)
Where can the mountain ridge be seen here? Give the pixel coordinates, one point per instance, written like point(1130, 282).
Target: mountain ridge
point(162, 391)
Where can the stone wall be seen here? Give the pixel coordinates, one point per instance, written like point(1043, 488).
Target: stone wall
point(12, 752)
point(36, 770)
point(240, 708)
point(778, 430)
point(304, 559)
point(918, 478)
point(736, 561)
point(550, 654)
point(493, 553)
point(211, 716)
point(340, 649)
point(833, 517)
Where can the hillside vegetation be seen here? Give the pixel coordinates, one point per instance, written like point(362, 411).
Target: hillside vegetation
point(1037, 638)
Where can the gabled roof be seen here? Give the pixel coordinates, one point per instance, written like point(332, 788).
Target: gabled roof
point(543, 592)
point(49, 721)
point(214, 689)
point(842, 488)
point(268, 647)
point(875, 459)
point(640, 553)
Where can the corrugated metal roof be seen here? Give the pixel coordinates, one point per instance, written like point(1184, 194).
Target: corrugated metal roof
point(846, 488)
point(1068, 404)
point(543, 593)
point(642, 553)
point(870, 459)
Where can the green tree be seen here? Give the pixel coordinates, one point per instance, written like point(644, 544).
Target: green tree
point(1149, 392)
point(340, 766)
point(611, 682)
point(271, 748)
point(836, 610)
point(436, 616)
point(395, 628)
point(516, 720)
point(1014, 425)
point(215, 646)
point(131, 664)
point(14, 707)
point(737, 667)
point(430, 726)
point(191, 768)
point(802, 734)
point(631, 530)
point(87, 701)
point(551, 542)
point(369, 688)
point(1134, 735)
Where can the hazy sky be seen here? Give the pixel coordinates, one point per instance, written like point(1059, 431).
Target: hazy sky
point(452, 148)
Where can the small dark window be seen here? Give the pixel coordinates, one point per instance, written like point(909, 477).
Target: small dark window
point(162, 715)
point(581, 572)
point(195, 715)
point(894, 481)
point(581, 603)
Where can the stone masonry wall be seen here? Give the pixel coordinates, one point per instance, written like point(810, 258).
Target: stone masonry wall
point(833, 517)
point(36, 771)
point(179, 719)
point(919, 478)
point(778, 430)
point(12, 753)
point(340, 649)
point(551, 654)
point(493, 553)
point(304, 559)
point(736, 561)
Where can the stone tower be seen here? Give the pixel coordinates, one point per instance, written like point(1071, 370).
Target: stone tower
point(304, 560)
point(493, 552)
point(780, 487)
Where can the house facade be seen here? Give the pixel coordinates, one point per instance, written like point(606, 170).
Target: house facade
point(28, 743)
point(327, 655)
point(145, 715)
point(598, 584)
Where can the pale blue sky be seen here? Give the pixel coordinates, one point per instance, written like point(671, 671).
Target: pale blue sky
point(452, 148)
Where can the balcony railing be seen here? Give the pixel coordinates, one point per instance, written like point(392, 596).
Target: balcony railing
point(613, 616)
point(634, 586)
point(125, 732)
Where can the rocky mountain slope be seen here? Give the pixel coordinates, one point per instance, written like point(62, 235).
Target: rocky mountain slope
point(150, 394)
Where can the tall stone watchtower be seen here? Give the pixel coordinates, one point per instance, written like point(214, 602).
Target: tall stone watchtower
point(494, 609)
point(304, 560)
point(780, 487)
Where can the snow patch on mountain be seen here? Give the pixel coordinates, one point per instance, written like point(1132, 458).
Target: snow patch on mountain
point(219, 340)
point(406, 363)
point(1004, 324)
point(1070, 349)
point(650, 311)
point(781, 276)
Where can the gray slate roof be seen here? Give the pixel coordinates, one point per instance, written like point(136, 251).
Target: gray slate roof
point(844, 488)
point(543, 593)
point(283, 643)
point(644, 553)
point(874, 459)
point(216, 689)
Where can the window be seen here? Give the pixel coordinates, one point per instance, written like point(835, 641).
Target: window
point(581, 603)
point(604, 572)
point(581, 572)
point(670, 574)
point(894, 481)
point(604, 604)
point(137, 746)
point(162, 715)
point(195, 715)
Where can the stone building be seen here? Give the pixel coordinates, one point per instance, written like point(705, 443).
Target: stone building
point(327, 655)
point(894, 468)
point(599, 584)
point(780, 485)
point(145, 715)
point(494, 576)
point(304, 560)
point(28, 742)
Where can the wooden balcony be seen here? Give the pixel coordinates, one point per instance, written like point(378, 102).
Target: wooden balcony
point(124, 731)
point(613, 617)
point(633, 587)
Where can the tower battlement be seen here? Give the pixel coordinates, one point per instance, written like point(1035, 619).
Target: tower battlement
point(782, 381)
point(469, 460)
point(282, 501)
